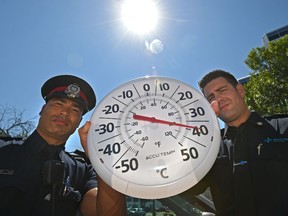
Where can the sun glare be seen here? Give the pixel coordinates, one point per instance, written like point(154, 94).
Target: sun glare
point(139, 16)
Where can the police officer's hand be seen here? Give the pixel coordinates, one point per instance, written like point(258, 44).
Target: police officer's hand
point(83, 133)
point(215, 107)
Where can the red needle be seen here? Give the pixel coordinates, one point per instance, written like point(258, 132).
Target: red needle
point(154, 120)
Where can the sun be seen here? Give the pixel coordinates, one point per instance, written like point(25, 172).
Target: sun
point(139, 16)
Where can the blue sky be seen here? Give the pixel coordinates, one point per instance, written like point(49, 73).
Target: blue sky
point(41, 38)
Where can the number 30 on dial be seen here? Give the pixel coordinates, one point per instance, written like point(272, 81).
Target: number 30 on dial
point(153, 137)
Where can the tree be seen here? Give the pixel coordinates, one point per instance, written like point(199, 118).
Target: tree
point(267, 88)
point(12, 123)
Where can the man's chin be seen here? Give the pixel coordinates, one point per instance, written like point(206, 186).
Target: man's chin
point(224, 117)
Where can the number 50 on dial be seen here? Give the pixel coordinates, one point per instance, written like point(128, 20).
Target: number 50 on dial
point(153, 137)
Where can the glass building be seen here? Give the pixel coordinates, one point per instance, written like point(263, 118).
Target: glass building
point(274, 35)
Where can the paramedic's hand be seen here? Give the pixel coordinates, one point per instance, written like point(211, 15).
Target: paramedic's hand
point(215, 107)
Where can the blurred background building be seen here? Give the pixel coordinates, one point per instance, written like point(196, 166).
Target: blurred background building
point(274, 35)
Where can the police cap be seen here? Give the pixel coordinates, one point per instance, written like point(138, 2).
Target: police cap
point(71, 87)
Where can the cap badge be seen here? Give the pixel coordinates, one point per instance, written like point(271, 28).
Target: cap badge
point(73, 91)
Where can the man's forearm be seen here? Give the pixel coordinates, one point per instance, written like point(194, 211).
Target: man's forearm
point(109, 201)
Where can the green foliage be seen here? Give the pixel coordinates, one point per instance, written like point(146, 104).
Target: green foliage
point(267, 88)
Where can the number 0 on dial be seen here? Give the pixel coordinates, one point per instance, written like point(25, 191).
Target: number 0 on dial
point(153, 137)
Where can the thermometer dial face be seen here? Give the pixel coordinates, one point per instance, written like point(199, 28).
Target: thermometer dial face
point(153, 137)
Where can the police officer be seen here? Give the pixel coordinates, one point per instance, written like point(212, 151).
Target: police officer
point(250, 174)
point(37, 176)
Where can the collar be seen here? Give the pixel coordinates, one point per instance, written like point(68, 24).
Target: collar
point(37, 144)
point(254, 119)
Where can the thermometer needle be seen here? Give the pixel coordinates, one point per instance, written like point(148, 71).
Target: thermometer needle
point(154, 120)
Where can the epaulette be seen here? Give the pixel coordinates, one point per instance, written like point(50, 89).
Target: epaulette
point(79, 156)
point(4, 141)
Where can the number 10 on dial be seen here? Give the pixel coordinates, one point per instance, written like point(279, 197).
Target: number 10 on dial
point(153, 137)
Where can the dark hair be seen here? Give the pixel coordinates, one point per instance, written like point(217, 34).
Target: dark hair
point(216, 74)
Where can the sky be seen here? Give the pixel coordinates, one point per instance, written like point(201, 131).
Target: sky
point(87, 38)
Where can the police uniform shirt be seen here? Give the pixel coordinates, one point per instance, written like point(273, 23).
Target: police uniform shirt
point(24, 188)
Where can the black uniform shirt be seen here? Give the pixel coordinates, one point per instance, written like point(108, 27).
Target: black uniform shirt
point(250, 177)
point(26, 188)
point(250, 174)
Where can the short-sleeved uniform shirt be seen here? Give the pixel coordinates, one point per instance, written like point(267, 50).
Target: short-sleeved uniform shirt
point(41, 179)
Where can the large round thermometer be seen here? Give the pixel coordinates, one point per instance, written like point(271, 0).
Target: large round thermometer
point(153, 137)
